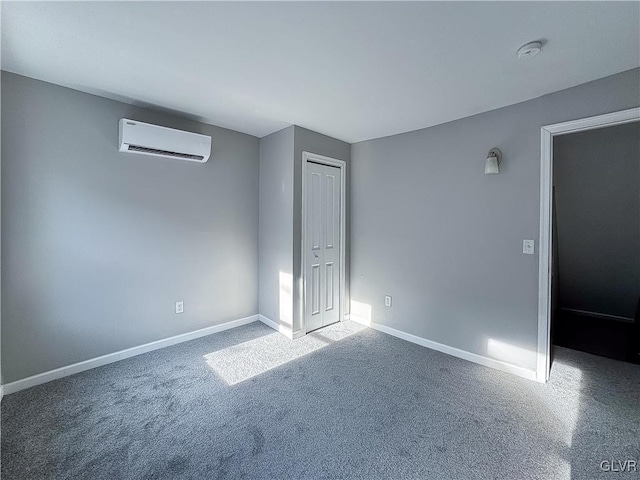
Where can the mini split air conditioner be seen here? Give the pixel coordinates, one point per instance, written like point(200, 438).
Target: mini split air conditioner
point(147, 139)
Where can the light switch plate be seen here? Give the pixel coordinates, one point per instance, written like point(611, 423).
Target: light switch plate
point(528, 247)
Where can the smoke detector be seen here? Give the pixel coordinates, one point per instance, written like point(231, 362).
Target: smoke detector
point(531, 49)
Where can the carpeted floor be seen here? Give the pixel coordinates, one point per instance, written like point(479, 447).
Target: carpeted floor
point(348, 403)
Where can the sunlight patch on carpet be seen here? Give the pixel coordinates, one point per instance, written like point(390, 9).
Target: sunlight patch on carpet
point(241, 362)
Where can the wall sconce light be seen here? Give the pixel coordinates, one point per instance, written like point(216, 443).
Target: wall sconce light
point(492, 164)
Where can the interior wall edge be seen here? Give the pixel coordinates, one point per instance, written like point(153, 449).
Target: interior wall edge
point(277, 326)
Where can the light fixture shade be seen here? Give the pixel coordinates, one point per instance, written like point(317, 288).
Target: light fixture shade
point(492, 164)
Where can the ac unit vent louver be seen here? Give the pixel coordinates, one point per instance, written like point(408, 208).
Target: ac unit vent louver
point(146, 139)
point(164, 153)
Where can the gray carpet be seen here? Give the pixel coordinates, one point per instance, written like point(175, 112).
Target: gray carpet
point(359, 404)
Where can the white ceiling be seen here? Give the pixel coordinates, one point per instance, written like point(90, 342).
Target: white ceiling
point(352, 70)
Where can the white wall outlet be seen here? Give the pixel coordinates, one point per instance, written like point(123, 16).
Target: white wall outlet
point(528, 247)
point(387, 300)
point(179, 307)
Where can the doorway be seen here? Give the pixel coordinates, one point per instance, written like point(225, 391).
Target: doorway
point(548, 267)
point(323, 241)
point(596, 240)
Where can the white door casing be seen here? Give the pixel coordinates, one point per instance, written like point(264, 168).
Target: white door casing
point(545, 270)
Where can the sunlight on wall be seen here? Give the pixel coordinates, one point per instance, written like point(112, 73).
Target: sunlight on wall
point(286, 299)
point(511, 354)
point(360, 312)
point(241, 362)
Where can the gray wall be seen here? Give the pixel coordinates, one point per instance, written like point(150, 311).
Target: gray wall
point(429, 228)
point(597, 189)
point(281, 218)
point(98, 245)
point(276, 227)
point(312, 142)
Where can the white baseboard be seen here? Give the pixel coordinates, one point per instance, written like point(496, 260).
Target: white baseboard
point(286, 331)
point(61, 372)
point(456, 352)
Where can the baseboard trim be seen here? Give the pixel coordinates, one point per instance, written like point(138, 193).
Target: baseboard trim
point(456, 352)
point(61, 372)
point(606, 316)
point(286, 331)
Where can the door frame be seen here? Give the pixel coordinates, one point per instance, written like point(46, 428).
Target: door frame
point(342, 165)
point(548, 132)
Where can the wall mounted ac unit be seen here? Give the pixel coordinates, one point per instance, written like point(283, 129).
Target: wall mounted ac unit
point(147, 139)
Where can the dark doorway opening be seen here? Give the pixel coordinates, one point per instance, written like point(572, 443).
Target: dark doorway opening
point(596, 242)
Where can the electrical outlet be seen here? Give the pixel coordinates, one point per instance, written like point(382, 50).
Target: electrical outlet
point(179, 307)
point(528, 247)
point(387, 300)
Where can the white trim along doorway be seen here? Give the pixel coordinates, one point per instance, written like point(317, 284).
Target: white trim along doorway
point(548, 133)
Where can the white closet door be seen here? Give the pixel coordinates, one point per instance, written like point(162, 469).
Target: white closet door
point(322, 275)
